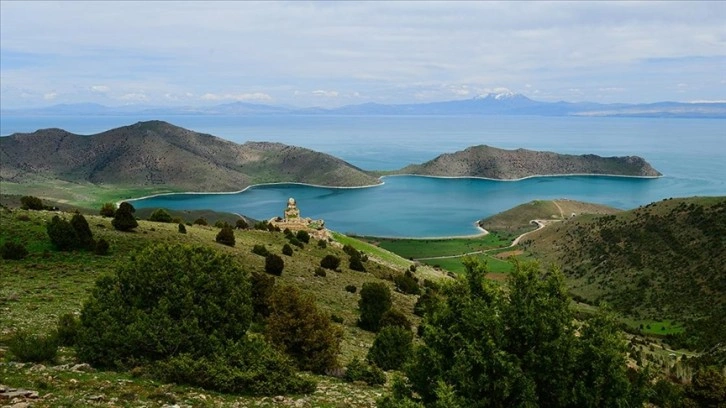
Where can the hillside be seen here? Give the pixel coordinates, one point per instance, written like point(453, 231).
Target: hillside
point(49, 283)
point(518, 220)
point(666, 260)
point(156, 156)
point(490, 162)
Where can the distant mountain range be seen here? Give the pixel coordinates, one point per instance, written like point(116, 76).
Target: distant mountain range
point(490, 104)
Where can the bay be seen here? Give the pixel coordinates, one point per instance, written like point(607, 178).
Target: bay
point(691, 153)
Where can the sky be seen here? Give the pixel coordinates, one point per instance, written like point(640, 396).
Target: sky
point(332, 54)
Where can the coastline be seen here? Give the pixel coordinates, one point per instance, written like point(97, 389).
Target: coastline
point(391, 175)
point(527, 177)
point(249, 187)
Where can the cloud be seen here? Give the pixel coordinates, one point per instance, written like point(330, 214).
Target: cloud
point(327, 94)
point(393, 51)
point(255, 96)
point(134, 97)
point(50, 96)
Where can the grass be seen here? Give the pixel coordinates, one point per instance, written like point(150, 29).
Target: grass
point(37, 290)
point(454, 265)
point(373, 250)
point(424, 248)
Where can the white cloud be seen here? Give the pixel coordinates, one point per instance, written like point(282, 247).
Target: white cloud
point(254, 96)
point(134, 97)
point(100, 88)
point(327, 94)
point(50, 96)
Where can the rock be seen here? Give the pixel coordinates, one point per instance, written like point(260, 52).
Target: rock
point(20, 405)
point(37, 367)
point(84, 367)
point(279, 398)
point(96, 398)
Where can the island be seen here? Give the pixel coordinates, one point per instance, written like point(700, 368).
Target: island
point(499, 164)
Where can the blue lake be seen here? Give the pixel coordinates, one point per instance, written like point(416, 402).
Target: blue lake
point(691, 153)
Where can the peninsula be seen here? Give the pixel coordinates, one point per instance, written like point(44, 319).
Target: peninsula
point(489, 162)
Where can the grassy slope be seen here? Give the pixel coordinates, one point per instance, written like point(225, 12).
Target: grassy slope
point(516, 221)
point(47, 284)
point(666, 260)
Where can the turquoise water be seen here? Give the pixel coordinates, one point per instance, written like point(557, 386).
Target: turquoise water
point(691, 153)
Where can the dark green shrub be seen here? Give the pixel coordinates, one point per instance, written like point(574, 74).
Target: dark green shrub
point(226, 236)
point(393, 317)
point(375, 300)
point(62, 235)
point(303, 236)
point(407, 284)
point(322, 244)
point(330, 262)
point(31, 203)
point(260, 250)
point(13, 250)
point(359, 370)
point(241, 224)
point(182, 229)
point(101, 247)
point(274, 264)
point(201, 221)
point(220, 224)
point(249, 366)
point(177, 220)
point(160, 215)
point(351, 288)
point(123, 219)
point(262, 287)
point(186, 299)
point(108, 210)
point(356, 264)
point(83, 231)
point(261, 225)
point(336, 319)
point(67, 329)
point(426, 302)
point(23, 217)
point(302, 331)
point(391, 348)
point(295, 242)
point(348, 249)
point(287, 250)
point(320, 272)
point(32, 348)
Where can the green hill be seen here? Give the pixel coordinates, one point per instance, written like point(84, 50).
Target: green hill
point(155, 156)
point(46, 284)
point(666, 260)
point(490, 162)
point(517, 220)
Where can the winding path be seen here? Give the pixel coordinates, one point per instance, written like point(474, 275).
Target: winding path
point(540, 224)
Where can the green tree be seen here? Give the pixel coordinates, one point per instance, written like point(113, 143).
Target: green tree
point(31, 203)
point(13, 250)
point(160, 215)
point(241, 224)
point(182, 228)
point(302, 331)
point(484, 346)
point(707, 389)
point(391, 348)
point(123, 219)
point(375, 300)
point(287, 250)
point(330, 262)
point(62, 234)
point(83, 231)
point(108, 210)
point(274, 264)
point(168, 300)
point(225, 236)
point(303, 236)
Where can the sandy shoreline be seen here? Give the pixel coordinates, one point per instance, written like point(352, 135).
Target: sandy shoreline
point(527, 177)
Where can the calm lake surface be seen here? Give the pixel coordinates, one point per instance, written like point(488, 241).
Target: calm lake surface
point(691, 153)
